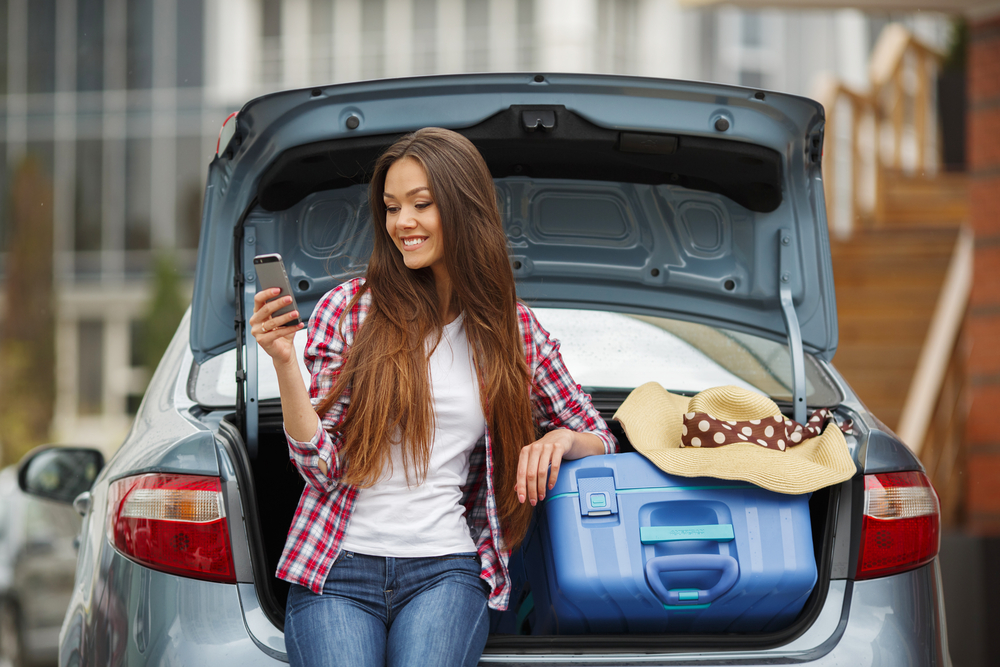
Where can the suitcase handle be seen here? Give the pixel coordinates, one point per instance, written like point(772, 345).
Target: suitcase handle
point(728, 565)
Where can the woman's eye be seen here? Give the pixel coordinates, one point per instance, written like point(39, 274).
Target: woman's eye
point(392, 209)
point(424, 204)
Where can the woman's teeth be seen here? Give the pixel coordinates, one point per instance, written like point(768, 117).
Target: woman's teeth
point(409, 242)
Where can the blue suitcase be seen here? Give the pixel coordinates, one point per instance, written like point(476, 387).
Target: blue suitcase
point(618, 546)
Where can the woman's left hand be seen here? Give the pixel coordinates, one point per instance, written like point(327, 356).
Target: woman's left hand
point(538, 466)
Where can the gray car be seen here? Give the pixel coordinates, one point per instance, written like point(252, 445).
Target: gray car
point(663, 231)
point(37, 564)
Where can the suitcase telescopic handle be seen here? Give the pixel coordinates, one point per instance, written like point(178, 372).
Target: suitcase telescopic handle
point(727, 565)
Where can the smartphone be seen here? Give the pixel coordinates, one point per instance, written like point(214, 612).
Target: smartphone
point(271, 273)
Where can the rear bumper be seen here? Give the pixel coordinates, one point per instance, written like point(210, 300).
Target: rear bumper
point(897, 620)
point(151, 618)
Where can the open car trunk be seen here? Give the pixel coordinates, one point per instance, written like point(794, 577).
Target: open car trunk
point(271, 487)
point(690, 216)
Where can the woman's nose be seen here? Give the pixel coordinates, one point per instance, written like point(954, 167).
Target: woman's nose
point(407, 219)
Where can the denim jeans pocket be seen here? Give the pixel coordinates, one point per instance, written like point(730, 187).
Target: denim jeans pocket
point(344, 557)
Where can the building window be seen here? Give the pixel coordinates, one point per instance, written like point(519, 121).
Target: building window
point(271, 56)
point(89, 44)
point(617, 35)
point(477, 35)
point(751, 78)
point(190, 43)
point(751, 29)
point(138, 176)
point(139, 44)
point(191, 168)
point(3, 47)
point(424, 36)
point(321, 41)
point(372, 39)
point(4, 202)
point(90, 367)
point(41, 46)
point(525, 34)
point(87, 218)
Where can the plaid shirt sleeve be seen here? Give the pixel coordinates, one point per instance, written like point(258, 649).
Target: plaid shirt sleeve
point(557, 400)
point(325, 507)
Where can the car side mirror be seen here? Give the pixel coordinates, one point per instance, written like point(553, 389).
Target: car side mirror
point(59, 473)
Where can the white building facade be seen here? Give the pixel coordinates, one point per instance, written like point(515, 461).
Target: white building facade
point(122, 100)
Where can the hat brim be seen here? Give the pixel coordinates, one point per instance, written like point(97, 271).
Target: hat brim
point(652, 418)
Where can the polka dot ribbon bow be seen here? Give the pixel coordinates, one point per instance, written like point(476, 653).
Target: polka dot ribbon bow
point(777, 432)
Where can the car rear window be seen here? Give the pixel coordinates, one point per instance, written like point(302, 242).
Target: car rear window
point(604, 351)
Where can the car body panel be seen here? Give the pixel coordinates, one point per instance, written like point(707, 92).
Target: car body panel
point(688, 281)
point(171, 440)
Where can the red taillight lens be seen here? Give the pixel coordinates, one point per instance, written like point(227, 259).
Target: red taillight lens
point(173, 523)
point(902, 524)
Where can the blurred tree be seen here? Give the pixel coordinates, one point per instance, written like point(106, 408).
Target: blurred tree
point(163, 313)
point(27, 329)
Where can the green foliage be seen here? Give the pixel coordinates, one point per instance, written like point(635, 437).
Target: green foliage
point(27, 329)
point(163, 313)
point(958, 45)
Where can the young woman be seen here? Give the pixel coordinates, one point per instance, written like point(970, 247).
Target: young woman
point(418, 436)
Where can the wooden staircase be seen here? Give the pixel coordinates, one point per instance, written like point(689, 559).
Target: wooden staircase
point(888, 282)
point(901, 285)
point(902, 259)
point(919, 201)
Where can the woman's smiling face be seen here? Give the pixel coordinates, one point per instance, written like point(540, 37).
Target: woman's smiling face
point(412, 218)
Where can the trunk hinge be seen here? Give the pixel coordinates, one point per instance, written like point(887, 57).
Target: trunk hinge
point(786, 248)
point(248, 343)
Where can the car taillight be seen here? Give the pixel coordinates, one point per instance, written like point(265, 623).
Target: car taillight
point(173, 523)
point(902, 524)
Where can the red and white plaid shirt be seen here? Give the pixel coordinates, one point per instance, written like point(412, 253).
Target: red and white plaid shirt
point(324, 511)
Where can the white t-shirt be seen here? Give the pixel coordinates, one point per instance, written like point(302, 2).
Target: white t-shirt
point(394, 519)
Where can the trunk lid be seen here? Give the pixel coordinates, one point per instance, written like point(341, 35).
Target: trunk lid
point(690, 200)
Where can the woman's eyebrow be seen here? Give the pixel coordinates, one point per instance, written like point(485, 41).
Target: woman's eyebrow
point(386, 195)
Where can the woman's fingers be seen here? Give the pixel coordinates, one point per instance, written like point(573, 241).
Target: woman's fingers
point(261, 298)
point(538, 466)
point(537, 469)
point(263, 308)
point(278, 326)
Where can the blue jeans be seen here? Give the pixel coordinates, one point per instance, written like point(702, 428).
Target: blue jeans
point(377, 611)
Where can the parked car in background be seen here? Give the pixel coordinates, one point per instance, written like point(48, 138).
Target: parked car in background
point(664, 231)
point(37, 565)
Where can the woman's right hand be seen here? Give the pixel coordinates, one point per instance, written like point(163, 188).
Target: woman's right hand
point(271, 335)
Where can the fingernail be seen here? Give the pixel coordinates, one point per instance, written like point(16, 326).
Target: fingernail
point(520, 497)
point(541, 497)
point(533, 501)
point(288, 299)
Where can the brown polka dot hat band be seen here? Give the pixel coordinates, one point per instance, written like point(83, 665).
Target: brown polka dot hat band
point(703, 430)
point(735, 433)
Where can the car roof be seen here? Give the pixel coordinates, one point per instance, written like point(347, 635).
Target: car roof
point(734, 173)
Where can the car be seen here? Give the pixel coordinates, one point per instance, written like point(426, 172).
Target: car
point(664, 231)
point(37, 565)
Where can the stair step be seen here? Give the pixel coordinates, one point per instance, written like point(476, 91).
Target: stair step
point(939, 201)
point(887, 282)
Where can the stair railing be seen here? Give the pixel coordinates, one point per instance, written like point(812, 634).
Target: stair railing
point(890, 127)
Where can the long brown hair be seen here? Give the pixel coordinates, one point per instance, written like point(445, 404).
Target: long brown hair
point(386, 367)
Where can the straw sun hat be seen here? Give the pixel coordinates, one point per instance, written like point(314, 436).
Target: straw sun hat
point(734, 433)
